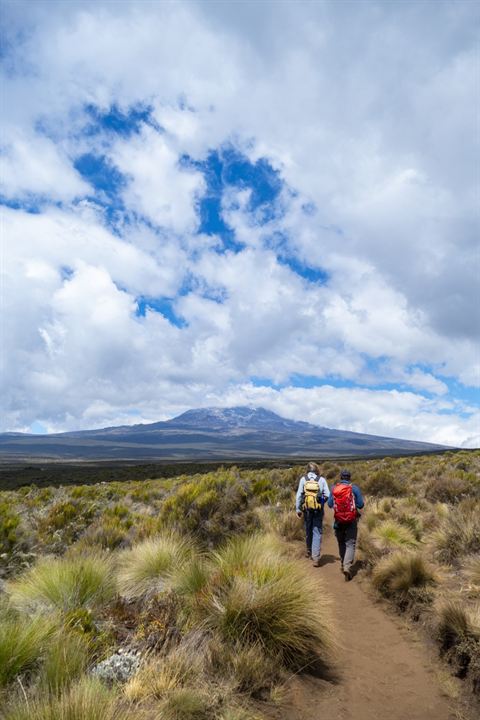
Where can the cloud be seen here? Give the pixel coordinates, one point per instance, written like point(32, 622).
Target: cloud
point(295, 200)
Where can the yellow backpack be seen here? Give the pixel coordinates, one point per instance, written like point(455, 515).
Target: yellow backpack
point(311, 490)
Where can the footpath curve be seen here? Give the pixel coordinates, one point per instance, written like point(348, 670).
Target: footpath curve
point(384, 672)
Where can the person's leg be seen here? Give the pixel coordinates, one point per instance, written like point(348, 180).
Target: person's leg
point(308, 518)
point(340, 535)
point(350, 543)
point(317, 526)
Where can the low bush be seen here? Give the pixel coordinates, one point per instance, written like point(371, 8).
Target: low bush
point(448, 489)
point(9, 528)
point(65, 584)
point(384, 482)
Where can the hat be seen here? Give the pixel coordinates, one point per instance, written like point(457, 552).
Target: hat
point(345, 475)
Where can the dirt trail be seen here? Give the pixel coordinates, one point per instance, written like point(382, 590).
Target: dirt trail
point(384, 672)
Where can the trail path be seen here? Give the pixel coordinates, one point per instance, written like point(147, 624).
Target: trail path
point(384, 672)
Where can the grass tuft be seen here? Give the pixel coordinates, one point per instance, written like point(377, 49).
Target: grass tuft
point(397, 575)
point(87, 700)
point(22, 643)
point(65, 584)
point(255, 597)
point(149, 566)
point(459, 534)
point(390, 534)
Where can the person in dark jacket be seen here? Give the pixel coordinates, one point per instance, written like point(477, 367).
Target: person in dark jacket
point(345, 510)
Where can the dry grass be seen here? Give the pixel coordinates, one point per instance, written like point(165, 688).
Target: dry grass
point(87, 700)
point(399, 576)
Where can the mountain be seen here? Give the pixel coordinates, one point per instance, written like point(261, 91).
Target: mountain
point(205, 434)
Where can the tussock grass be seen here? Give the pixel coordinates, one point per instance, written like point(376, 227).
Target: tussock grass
point(65, 660)
point(472, 568)
point(248, 669)
point(289, 526)
point(458, 631)
point(65, 584)
point(453, 622)
point(255, 597)
point(182, 666)
point(23, 641)
point(185, 703)
point(86, 700)
point(398, 574)
point(148, 567)
point(390, 534)
point(459, 534)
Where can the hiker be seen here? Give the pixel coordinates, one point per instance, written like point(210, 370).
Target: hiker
point(311, 495)
point(346, 500)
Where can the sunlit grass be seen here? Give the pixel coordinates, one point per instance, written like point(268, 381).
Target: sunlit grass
point(65, 584)
point(147, 567)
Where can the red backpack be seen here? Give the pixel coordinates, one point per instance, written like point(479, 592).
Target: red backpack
point(344, 510)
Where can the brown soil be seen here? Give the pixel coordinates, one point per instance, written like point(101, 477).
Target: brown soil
point(384, 670)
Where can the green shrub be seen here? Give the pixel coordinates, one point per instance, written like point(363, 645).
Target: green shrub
point(9, 527)
point(384, 482)
point(65, 522)
point(65, 584)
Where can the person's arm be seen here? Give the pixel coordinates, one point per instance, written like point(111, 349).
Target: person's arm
point(325, 490)
point(359, 502)
point(330, 499)
point(299, 498)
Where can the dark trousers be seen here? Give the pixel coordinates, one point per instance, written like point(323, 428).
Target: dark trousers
point(347, 539)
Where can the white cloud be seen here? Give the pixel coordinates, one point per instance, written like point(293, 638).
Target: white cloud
point(364, 114)
point(33, 165)
point(157, 187)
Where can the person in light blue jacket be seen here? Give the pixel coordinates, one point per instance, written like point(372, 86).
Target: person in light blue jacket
point(312, 494)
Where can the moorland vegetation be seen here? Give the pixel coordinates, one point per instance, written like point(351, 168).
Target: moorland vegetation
point(183, 598)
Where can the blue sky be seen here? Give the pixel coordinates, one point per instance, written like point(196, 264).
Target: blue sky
point(287, 224)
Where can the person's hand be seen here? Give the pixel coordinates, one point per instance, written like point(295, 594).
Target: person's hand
point(299, 514)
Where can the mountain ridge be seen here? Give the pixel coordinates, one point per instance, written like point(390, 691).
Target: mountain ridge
point(207, 433)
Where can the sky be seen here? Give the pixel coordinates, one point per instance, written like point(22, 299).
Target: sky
point(268, 204)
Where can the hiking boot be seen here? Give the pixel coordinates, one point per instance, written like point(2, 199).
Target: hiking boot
point(348, 575)
point(316, 562)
